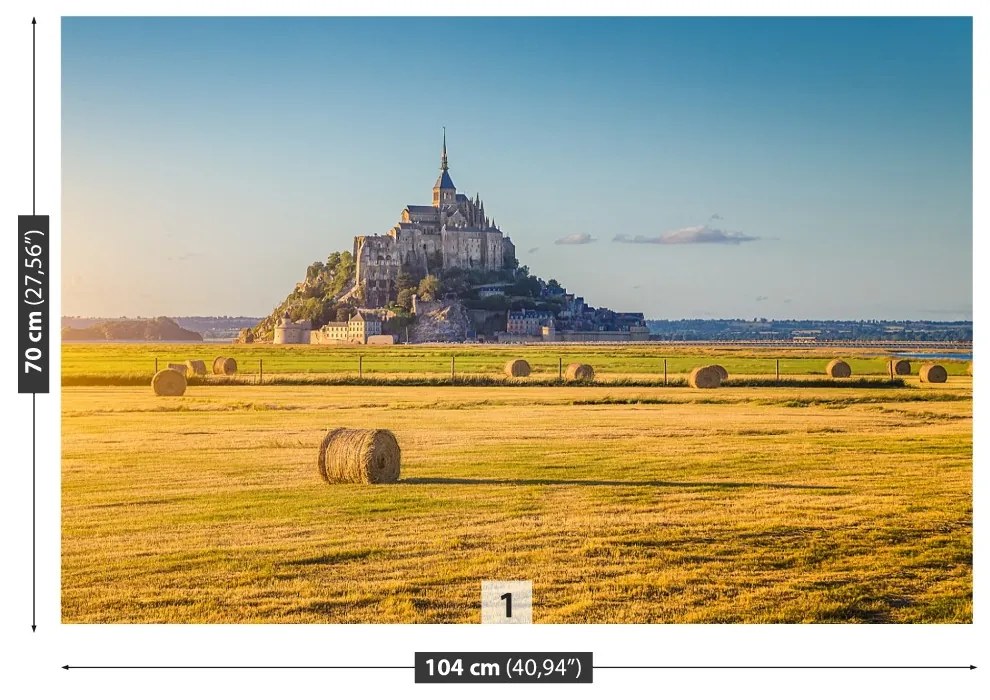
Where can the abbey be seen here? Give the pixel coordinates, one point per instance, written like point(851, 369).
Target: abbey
point(453, 231)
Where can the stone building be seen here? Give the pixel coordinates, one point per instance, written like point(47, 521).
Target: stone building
point(289, 332)
point(453, 231)
point(527, 322)
point(357, 329)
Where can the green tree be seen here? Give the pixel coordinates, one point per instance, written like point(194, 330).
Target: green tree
point(405, 281)
point(341, 274)
point(398, 323)
point(314, 270)
point(528, 286)
point(311, 310)
point(429, 288)
point(404, 298)
point(456, 282)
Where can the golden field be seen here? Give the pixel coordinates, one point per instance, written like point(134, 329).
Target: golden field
point(621, 504)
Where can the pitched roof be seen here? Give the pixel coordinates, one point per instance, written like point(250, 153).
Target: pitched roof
point(444, 182)
point(420, 208)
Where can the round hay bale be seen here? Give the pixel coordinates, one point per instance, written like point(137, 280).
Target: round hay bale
point(196, 366)
point(181, 369)
point(706, 377)
point(723, 373)
point(899, 367)
point(353, 456)
point(224, 365)
point(169, 382)
point(517, 368)
point(933, 374)
point(838, 369)
point(577, 372)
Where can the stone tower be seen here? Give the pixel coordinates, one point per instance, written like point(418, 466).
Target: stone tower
point(444, 192)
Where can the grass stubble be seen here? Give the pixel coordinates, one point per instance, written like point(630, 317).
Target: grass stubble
point(622, 504)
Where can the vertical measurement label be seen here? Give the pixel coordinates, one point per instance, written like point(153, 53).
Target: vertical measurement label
point(33, 309)
point(504, 667)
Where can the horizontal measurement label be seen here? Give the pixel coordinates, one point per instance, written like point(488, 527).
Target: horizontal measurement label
point(32, 294)
point(503, 667)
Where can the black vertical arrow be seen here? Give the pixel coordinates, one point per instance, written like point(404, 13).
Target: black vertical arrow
point(34, 459)
point(34, 164)
point(34, 521)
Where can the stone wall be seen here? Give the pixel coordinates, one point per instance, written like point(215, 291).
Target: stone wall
point(291, 335)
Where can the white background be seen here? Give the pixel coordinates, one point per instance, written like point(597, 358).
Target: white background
point(33, 661)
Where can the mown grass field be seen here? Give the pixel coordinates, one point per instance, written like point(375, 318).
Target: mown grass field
point(620, 504)
point(96, 362)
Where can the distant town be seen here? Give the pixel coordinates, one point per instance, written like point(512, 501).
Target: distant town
point(807, 331)
point(796, 331)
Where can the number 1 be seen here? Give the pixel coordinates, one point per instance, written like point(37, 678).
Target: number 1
point(507, 597)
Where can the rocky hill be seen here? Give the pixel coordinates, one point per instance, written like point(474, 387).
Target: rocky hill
point(444, 322)
point(328, 293)
point(318, 298)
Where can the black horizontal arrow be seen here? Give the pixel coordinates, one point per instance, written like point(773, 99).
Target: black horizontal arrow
point(800, 668)
point(233, 668)
point(333, 668)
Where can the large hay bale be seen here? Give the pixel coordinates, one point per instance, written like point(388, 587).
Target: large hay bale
point(224, 365)
point(181, 369)
point(577, 372)
point(169, 382)
point(838, 369)
point(723, 373)
point(899, 367)
point(196, 366)
point(706, 377)
point(354, 456)
point(933, 374)
point(517, 368)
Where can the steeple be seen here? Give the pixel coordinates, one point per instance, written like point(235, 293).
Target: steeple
point(444, 192)
point(443, 157)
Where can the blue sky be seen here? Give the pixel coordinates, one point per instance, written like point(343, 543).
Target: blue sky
point(786, 168)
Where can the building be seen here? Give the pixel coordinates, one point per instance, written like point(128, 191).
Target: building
point(453, 231)
point(289, 332)
point(357, 329)
point(527, 322)
point(492, 290)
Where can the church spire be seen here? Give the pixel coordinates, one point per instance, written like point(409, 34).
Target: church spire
point(444, 192)
point(443, 158)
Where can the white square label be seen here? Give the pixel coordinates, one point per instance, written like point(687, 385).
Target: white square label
point(506, 602)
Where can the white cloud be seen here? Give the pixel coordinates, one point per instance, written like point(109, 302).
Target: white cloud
point(690, 234)
point(575, 239)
